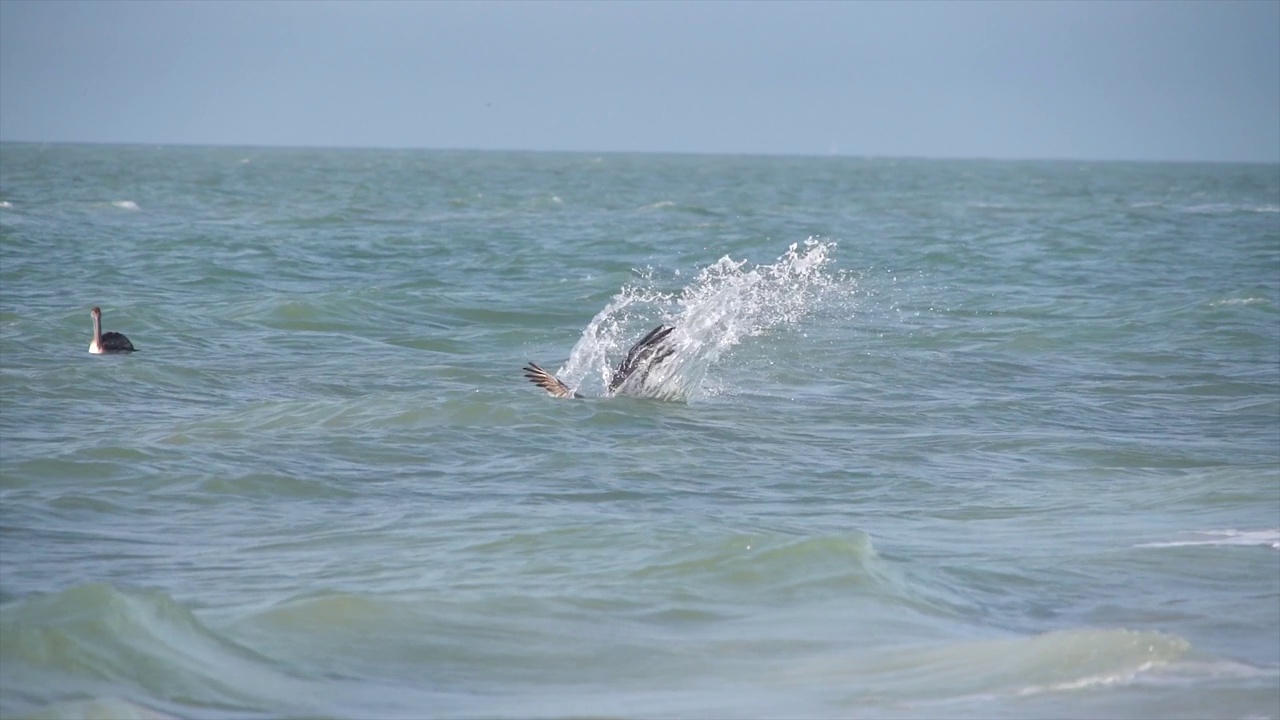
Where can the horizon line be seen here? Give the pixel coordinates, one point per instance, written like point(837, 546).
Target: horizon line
point(693, 153)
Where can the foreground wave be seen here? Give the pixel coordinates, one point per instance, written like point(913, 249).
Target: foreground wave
point(142, 654)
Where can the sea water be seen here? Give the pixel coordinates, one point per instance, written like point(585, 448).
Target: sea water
point(941, 438)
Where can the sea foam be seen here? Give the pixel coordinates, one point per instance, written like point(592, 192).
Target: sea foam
point(1265, 538)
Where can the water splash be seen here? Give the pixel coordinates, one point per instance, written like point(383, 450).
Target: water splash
point(726, 302)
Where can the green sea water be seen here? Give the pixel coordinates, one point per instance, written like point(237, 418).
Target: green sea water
point(941, 439)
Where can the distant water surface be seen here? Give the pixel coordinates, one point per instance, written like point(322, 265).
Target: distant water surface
point(943, 438)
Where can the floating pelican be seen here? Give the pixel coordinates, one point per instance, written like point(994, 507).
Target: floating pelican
point(112, 342)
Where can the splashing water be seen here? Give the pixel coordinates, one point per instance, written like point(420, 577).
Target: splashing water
point(727, 301)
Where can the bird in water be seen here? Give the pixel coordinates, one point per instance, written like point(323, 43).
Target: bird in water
point(641, 358)
point(112, 342)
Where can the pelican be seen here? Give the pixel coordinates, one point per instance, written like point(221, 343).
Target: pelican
point(112, 342)
point(647, 352)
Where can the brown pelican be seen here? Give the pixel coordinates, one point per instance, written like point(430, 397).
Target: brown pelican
point(112, 342)
point(642, 356)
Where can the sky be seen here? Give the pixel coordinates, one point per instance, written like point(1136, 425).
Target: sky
point(1176, 81)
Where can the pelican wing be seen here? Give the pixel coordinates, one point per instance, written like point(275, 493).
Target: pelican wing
point(646, 353)
point(548, 382)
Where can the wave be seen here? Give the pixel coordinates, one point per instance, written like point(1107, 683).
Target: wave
point(97, 709)
point(125, 204)
point(140, 646)
point(677, 207)
point(727, 301)
point(1056, 661)
point(1265, 538)
point(775, 564)
point(1215, 208)
point(1222, 208)
point(1239, 301)
point(141, 654)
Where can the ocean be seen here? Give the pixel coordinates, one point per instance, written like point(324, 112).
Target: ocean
point(936, 438)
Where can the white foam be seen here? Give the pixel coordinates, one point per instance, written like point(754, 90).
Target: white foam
point(1221, 208)
point(1179, 671)
point(1266, 538)
point(986, 670)
point(125, 204)
point(1240, 301)
point(5, 204)
point(1102, 680)
point(1207, 208)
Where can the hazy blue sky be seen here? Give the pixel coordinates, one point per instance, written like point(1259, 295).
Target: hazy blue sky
point(1094, 80)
